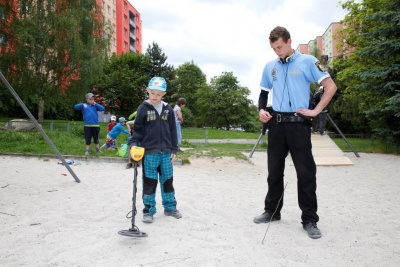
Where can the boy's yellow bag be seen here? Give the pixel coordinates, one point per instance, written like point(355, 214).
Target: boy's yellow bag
point(123, 151)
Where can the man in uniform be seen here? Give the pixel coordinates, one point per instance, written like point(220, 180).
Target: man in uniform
point(290, 76)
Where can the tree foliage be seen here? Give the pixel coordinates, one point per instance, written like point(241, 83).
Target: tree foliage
point(224, 102)
point(123, 86)
point(51, 46)
point(189, 79)
point(370, 69)
point(159, 67)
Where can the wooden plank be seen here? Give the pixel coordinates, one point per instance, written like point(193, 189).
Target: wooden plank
point(327, 153)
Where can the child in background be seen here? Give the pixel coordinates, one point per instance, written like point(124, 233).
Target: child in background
point(112, 123)
point(155, 130)
point(91, 121)
point(179, 119)
point(113, 134)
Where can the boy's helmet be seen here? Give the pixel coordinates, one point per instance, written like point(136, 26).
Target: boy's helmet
point(113, 118)
point(121, 119)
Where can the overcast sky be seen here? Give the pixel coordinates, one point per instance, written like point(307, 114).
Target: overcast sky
point(231, 35)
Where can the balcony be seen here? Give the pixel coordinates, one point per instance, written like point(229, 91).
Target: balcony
point(132, 35)
point(132, 23)
point(132, 48)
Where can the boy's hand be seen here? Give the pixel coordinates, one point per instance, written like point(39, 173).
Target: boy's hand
point(173, 158)
point(84, 105)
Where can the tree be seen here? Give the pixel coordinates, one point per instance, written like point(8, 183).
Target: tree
point(224, 102)
point(188, 80)
point(123, 85)
point(52, 44)
point(160, 67)
point(372, 65)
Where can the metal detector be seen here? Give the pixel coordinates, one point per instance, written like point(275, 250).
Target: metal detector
point(137, 154)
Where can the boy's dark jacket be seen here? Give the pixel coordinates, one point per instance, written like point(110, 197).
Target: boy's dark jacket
point(156, 133)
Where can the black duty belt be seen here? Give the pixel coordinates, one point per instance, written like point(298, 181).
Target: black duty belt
point(278, 117)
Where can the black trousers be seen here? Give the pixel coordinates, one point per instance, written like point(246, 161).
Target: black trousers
point(293, 137)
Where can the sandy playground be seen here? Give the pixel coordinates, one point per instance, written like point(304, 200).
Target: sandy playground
point(48, 219)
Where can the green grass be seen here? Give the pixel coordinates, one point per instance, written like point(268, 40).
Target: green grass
point(218, 150)
point(365, 145)
point(199, 133)
point(74, 144)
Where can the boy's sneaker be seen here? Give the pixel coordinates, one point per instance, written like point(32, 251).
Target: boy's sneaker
point(147, 217)
point(87, 152)
point(98, 150)
point(129, 165)
point(174, 213)
point(266, 218)
point(312, 229)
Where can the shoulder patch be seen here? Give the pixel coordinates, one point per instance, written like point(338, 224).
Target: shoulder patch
point(320, 66)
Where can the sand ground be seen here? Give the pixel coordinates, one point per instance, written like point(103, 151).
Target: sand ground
point(48, 219)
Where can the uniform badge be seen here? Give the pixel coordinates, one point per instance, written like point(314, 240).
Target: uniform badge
point(274, 72)
point(320, 66)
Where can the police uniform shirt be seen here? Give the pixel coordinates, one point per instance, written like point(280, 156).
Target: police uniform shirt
point(291, 81)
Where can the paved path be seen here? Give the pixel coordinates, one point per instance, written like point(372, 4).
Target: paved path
point(221, 141)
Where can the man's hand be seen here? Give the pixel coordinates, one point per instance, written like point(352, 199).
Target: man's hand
point(307, 112)
point(173, 158)
point(264, 116)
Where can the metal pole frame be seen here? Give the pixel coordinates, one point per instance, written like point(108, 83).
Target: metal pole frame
point(40, 129)
point(344, 137)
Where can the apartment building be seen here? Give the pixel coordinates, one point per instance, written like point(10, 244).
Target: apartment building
point(326, 43)
point(123, 22)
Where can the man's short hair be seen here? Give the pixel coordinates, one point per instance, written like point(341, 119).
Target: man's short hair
point(279, 32)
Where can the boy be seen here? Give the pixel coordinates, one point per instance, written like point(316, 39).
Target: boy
point(113, 134)
point(91, 121)
point(155, 130)
point(112, 123)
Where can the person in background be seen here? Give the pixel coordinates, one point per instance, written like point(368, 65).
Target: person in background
point(155, 130)
point(290, 76)
point(91, 121)
point(321, 118)
point(179, 119)
point(113, 134)
point(112, 123)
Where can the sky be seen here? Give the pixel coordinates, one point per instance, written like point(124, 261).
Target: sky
point(231, 35)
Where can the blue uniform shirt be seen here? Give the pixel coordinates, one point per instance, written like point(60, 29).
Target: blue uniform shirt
point(291, 81)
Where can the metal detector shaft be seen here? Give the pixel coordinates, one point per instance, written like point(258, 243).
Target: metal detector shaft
point(344, 137)
point(135, 164)
point(21, 103)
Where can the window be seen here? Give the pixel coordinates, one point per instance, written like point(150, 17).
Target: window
point(108, 10)
point(104, 4)
point(113, 13)
point(125, 5)
point(114, 28)
point(125, 32)
point(114, 42)
point(125, 45)
point(125, 18)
